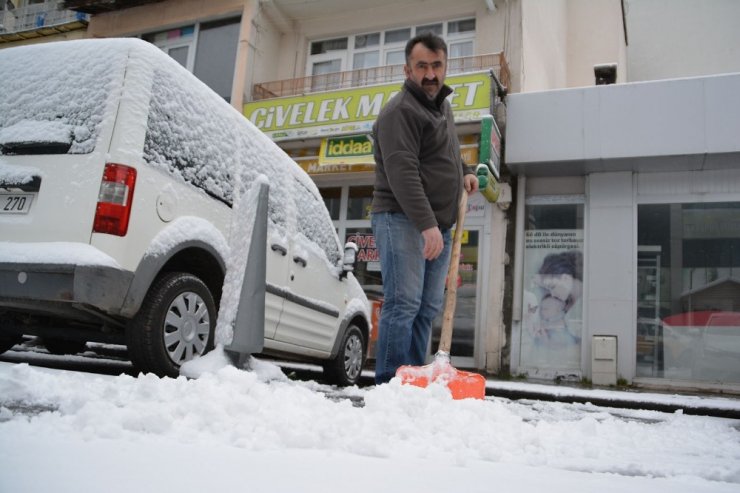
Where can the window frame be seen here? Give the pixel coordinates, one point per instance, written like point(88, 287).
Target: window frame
point(382, 47)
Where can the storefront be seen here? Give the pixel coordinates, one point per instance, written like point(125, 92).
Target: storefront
point(327, 134)
point(628, 231)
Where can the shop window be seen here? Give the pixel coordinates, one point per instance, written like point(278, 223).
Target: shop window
point(360, 200)
point(552, 313)
point(333, 201)
point(688, 289)
point(464, 320)
point(367, 268)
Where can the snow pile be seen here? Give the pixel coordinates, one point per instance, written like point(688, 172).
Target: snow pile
point(261, 411)
point(55, 253)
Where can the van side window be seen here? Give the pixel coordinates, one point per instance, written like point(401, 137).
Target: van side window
point(184, 138)
point(195, 135)
point(314, 222)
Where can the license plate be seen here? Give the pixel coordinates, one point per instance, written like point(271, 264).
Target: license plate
point(15, 203)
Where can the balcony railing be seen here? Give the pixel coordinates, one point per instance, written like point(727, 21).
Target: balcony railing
point(103, 6)
point(39, 19)
point(375, 75)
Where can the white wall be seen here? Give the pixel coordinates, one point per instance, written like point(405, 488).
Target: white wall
point(544, 45)
point(595, 34)
point(609, 284)
point(563, 39)
point(680, 38)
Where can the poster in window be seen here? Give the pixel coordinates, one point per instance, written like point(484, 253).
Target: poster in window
point(552, 313)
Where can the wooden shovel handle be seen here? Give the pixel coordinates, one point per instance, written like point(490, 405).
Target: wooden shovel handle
point(445, 338)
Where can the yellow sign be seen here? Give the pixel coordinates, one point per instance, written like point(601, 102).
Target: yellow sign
point(356, 149)
point(464, 239)
point(353, 111)
point(312, 167)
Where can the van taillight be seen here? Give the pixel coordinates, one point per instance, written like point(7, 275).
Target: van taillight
point(114, 200)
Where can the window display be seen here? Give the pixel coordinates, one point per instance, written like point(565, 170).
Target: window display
point(688, 287)
point(552, 313)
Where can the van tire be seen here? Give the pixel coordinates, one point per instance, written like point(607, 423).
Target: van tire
point(346, 367)
point(187, 336)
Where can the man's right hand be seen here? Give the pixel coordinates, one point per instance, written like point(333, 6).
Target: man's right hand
point(433, 243)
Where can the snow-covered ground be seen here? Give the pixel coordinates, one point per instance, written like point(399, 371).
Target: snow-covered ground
point(257, 430)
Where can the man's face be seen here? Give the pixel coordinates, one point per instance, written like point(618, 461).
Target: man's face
point(427, 68)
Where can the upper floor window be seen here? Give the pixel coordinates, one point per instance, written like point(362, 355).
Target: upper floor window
point(207, 49)
point(374, 49)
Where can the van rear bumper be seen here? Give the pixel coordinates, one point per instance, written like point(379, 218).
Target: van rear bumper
point(50, 288)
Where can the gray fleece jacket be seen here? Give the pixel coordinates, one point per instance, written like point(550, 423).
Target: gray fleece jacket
point(418, 167)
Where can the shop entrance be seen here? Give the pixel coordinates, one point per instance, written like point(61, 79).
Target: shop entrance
point(466, 309)
point(349, 207)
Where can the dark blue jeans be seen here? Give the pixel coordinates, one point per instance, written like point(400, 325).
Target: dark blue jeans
point(413, 293)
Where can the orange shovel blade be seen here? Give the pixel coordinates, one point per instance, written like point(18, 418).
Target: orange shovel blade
point(462, 384)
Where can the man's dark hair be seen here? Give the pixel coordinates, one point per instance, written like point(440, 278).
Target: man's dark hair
point(429, 40)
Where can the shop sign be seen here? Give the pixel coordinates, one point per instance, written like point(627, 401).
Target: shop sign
point(490, 145)
point(354, 149)
point(313, 167)
point(353, 111)
point(366, 249)
point(476, 206)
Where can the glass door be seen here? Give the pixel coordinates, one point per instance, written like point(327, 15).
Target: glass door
point(649, 344)
point(466, 307)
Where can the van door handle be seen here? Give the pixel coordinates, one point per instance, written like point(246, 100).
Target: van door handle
point(299, 260)
point(279, 248)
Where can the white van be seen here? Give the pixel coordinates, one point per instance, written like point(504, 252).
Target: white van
point(117, 179)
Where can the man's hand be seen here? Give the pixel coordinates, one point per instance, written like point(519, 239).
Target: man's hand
point(471, 183)
point(433, 243)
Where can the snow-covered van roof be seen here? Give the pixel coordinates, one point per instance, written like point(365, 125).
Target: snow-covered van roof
point(58, 91)
point(61, 93)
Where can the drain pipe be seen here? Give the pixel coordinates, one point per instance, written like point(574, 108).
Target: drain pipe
point(516, 316)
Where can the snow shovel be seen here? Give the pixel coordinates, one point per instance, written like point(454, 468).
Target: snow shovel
point(462, 384)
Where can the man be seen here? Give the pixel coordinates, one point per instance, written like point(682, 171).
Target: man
point(419, 177)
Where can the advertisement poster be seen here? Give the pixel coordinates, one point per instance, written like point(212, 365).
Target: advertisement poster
point(552, 311)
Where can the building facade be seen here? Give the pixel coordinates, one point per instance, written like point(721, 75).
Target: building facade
point(549, 254)
point(628, 233)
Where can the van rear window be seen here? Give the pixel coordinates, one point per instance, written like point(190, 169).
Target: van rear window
point(55, 96)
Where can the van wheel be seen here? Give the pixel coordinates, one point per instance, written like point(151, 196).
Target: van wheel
point(346, 367)
point(61, 346)
point(175, 323)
